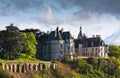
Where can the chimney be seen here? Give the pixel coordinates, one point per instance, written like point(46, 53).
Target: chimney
point(48, 32)
point(98, 36)
point(84, 36)
point(62, 29)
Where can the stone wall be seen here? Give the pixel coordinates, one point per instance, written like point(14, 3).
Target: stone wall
point(22, 68)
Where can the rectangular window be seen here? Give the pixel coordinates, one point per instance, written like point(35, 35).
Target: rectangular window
point(92, 49)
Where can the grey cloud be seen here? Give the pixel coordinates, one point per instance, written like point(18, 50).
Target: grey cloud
point(16, 6)
point(101, 6)
point(113, 38)
point(110, 6)
point(12, 7)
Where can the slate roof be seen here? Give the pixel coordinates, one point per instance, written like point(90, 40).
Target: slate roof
point(59, 35)
point(66, 35)
point(90, 42)
point(78, 41)
point(94, 42)
point(54, 35)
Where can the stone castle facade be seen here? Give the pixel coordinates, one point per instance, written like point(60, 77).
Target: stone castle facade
point(56, 45)
point(59, 44)
point(92, 46)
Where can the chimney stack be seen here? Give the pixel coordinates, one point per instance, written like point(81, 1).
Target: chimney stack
point(62, 29)
point(48, 32)
point(84, 35)
point(98, 36)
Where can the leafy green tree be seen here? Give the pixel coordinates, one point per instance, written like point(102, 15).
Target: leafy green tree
point(11, 44)
point(29, 44)
point(93, 61)
point(87, 68)
point(114, 51)
point(80, 63)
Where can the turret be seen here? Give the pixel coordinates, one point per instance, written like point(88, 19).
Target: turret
point(80, 33)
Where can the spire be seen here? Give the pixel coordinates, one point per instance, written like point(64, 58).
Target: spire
point(58, 34)
point(80, 33)
point(57, 28)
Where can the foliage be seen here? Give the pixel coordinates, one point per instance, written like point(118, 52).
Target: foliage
point(7, 74)
point(93, 61)
point(114, 51)
point(15, 43)
point(80, 63)
point(29, 44)
point(11, 45)
point(65, 59)
point(97, 67)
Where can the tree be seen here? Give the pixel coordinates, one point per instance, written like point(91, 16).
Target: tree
point(11, 44)
point(114, 51)
point(93, 61)
point(29, 44)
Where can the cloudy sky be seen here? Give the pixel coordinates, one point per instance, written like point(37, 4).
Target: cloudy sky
point(95, 16)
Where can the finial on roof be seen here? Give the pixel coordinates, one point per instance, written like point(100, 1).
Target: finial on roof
point(57, 28)
point(11, 24)
point(80, 33)
point(80, 27)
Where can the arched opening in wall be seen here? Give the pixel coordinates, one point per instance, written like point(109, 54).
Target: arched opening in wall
point(13, 68)
point(51, 66)
point(5, 67)
point(43, 67)
point(39, 66)
point(34, 67)
point(29, 67)
point(9, 67)
point(17, 68)
point(23, 69)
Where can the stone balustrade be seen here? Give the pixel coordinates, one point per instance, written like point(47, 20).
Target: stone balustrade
point(22, 68)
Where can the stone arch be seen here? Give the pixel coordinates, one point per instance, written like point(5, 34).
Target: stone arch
point(9, 66)
point(13, 68)
point(43, 66)
point(51, 66)
point(6, 67)
point(26, 66)
point(34, 67)
point(17, 68)
point(23, 68)
point(29, 67)
point(38, 66)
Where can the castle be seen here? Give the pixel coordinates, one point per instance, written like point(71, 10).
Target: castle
point(58, 44)
point(92, 46)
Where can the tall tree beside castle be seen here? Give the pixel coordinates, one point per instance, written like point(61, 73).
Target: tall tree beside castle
point(29, 44)
point(14, 43)
point(11, 43)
